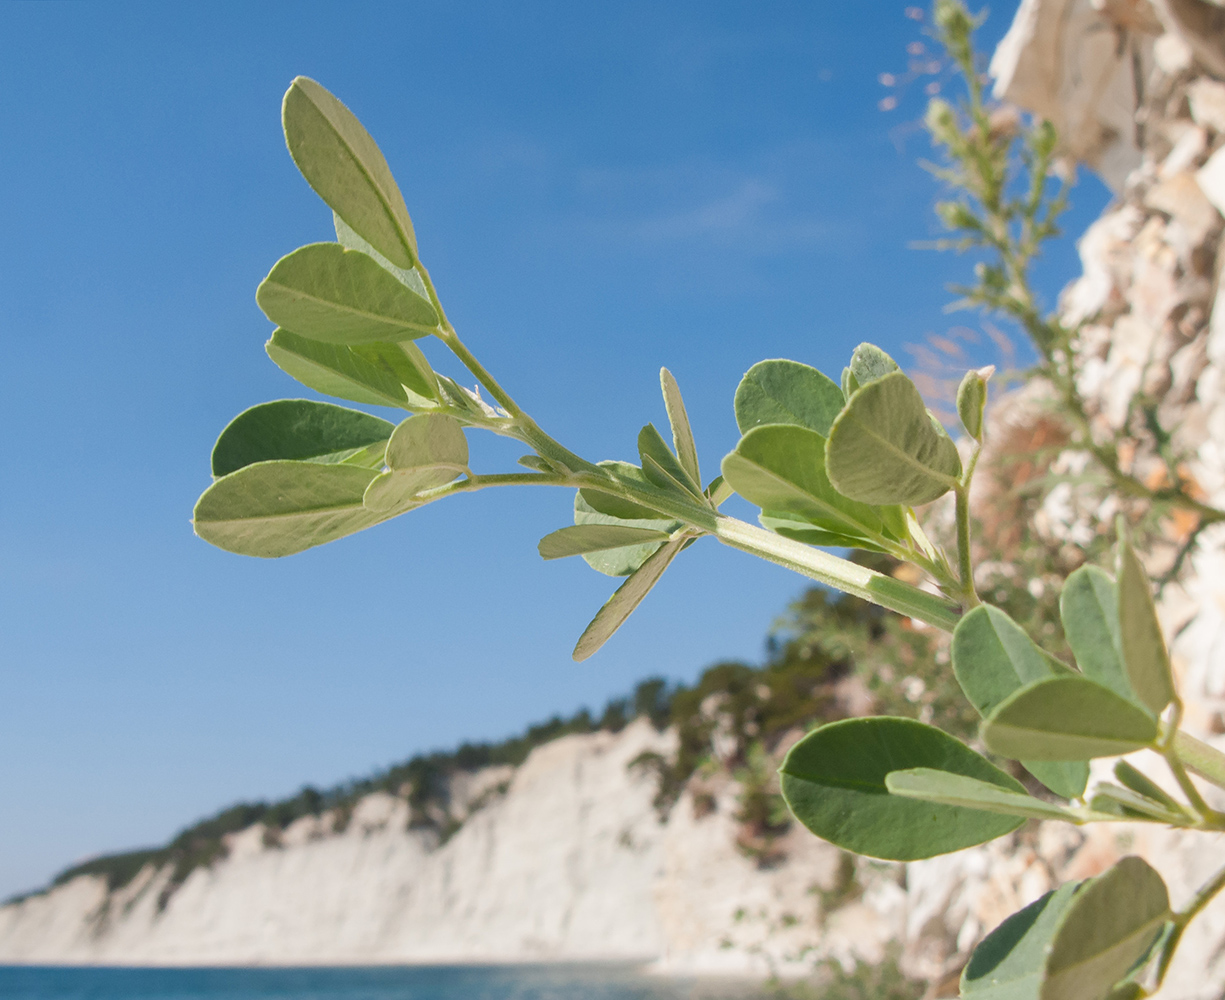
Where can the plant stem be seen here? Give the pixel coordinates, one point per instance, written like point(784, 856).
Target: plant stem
point(1204, 760)
point(1184, 917)
point(841, 574)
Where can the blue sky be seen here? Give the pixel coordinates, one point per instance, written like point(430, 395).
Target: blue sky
point(598, 190)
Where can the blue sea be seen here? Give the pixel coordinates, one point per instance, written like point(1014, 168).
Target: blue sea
point(518, 982)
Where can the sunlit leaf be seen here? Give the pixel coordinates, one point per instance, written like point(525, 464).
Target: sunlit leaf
point(885, 449)
point(404, 362)
point(584, 538)
point(992, 658)
point(424, 453)
point(626, 598)
point(930, 785)
point(334, 370)
point(834, 781)
point(786, 392)
point(972, 402)
point(781, 468)
point(1008, 963)
point(869, 363)
point(1110, 924)
point(274, 509)
point(661, 467)
point(1067, 718)
point(325, 292)
point(1089, 608)
point(615, 506)
point(1144, 650)
point(682, 433)
point(624, 560)
point(300, 429)
point(343, 164)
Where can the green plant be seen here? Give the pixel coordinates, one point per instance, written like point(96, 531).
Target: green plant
point(839, 464)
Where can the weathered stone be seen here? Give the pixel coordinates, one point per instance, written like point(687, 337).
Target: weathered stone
point(1211, 178)
point(1207, 100)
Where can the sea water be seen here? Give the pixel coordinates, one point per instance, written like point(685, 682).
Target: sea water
point(517, 982)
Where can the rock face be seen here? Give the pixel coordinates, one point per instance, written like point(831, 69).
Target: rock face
point(569, 862)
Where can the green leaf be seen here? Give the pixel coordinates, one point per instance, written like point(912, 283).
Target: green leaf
point(793, 527)
point(325, 292)
point(661, 467)
point(682, 433)
point(626, 598)
point(972, 401)
point(781, 468)
point(885, 449)
point(834, 781)
point(346, 236)
point(1008, 963)
point(620, 561)
point(992, 658)
point(1126, 803)
point(424, 453)
point(1067, 718)
point(299, 429)
point(403, 361)
point(1144, 651)
point(1089, 608)
point(334, 370)
point(787, 392)
point(869, 363)
point(584, 538)
point(943, 788)
point(278, 508)
point(718, 491)
point(1141, 784)
point(1110, 925)
point(849, 383)
point(615, 506)
point(343, 164)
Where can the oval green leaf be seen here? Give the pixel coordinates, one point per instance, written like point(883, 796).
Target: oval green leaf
point(1008, 963)
point(1110, 924)
point(834, 782)
point(424, 453)
point(957, 790)
point(1144, 650)
point(581, 539)
point(346, 168)
point(275, 509)
point(1067, 718)
point(299, 429)
point(334, 370)
point(1089, 609)
point(403, 361)
point(325, 292)
point(626, 598)
point(781, 468)
point(884, 448)
point(869, 363)
point(992, 658)
point(787, 392)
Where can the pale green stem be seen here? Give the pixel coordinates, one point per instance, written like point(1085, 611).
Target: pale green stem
point(1204, 760)
point(841, 574)
point(1184, 917)
point(965, 561)
point(1168, 751)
